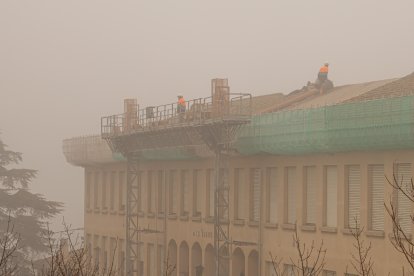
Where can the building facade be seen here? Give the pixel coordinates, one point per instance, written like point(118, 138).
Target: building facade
point(319, 171)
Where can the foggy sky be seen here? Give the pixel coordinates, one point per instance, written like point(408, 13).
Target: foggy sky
point(64, 64)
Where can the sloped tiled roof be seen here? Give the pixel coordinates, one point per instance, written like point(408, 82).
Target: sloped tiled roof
point(399, 87)
point(263, 102)
point(310, 98)
point(340, 94)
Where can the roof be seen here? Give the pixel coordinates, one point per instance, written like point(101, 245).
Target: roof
point(310, 98)
point(397, 88)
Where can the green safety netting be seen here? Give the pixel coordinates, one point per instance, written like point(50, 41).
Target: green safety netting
point(372, 125)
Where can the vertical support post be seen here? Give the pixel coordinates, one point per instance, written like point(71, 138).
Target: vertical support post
point(221, 223)
point(216, 210)
point(132, 228)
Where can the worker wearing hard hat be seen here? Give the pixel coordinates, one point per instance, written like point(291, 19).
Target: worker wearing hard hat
point(323, 73)
point(181, 106)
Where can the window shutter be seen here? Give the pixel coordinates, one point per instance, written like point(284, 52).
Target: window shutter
point(211, 192)
point(272, 196)
point(404, 204)
point(151, 270)
point(256, 194)
point(354, 195)
point(376, 173)
point(331, 196)
point(310, 195)
point(241, 203)
point(186, 191)
point(198, 191)
point(291, 197)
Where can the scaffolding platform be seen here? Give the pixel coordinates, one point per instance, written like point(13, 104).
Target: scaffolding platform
point(168, 126)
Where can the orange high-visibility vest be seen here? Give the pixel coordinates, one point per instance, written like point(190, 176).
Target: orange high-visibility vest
point(181, 101)
point(324, 69)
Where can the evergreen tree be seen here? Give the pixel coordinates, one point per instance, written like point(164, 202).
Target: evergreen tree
point(27, 212)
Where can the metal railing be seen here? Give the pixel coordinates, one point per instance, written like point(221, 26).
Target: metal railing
point(196, 111)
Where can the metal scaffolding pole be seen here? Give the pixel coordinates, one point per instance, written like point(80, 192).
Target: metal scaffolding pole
point(133, 265)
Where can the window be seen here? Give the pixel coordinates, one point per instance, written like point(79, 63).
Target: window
point(104, 254)
point(140, 192)
point(151, 192)
point(353, 196)
point(121, 256)
point(112, 247)
point(185, 193)
point(255, 198)
point(96, 191)
point(104, 181)
point(173, 193)
point(161, 192)
point(141, 256)
point(289, 270)
point(160, 260)
point(291, 195)
point(271, 194)
point(310, 195)
point(240, 194)
point(122, 186)
point(403, 203)
point(210, 193)
point(376, 197)
point(88, 190)
point(331, 196)
point(270, 270)
point(112, 191)
point(224, 186)
point(329, 273)
point(89, 244)
point(96, 250)
point(151, 269)
point(197, 193)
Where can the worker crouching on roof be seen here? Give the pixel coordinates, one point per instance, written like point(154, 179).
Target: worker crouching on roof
point(322, 82)
point(181, 106)
point(323, 73)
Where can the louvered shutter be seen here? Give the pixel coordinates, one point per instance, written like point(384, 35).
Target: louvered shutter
point(291, 191)
point(354, 195)
point(272, 196)
point(256, 194)
point(151, 260)
point(270, 271)
point(176, 194)
point(185, 191)
point(404, 204)
point(310, 195)
point(199, 191)
point(224, 211)
point(241, 203)
point(211, 193)
point(377, 197)
point(331, 196)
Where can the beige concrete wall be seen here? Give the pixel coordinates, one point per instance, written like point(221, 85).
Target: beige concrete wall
point(188, 232)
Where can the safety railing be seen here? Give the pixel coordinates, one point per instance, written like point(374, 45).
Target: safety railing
point(195, 111)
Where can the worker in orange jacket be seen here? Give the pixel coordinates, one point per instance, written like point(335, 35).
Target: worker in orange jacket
point(323, 73)
point(181, 106)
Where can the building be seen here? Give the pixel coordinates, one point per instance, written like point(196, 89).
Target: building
point(304, 160)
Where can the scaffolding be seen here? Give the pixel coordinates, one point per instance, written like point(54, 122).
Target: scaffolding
point(206, 127)
point(89, 150)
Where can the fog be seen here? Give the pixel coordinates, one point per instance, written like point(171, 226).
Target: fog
point(64, 64)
